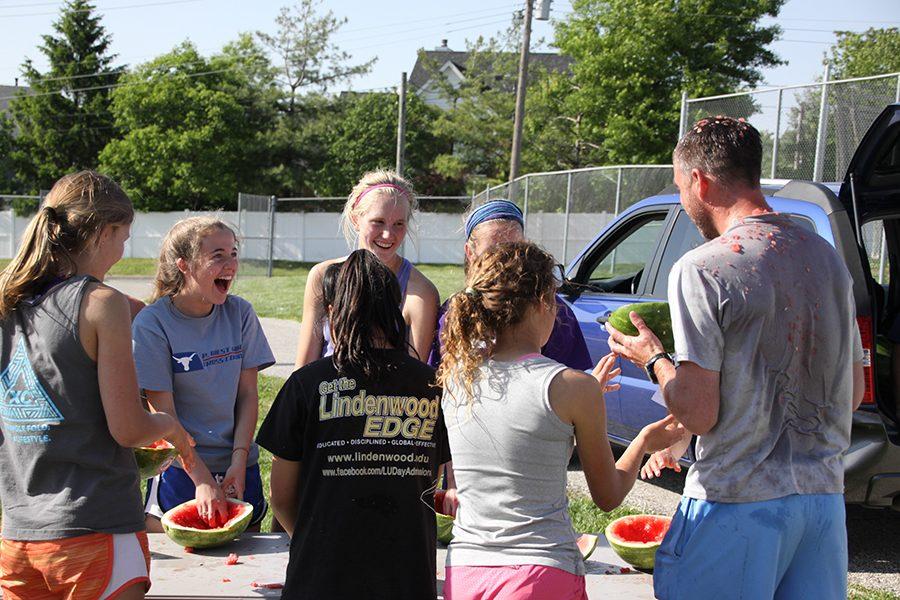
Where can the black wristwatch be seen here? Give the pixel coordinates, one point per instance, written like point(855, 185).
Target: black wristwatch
point(648, 366)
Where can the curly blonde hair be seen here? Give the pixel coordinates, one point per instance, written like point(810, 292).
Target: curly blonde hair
point(501, 285)
point(354, 207)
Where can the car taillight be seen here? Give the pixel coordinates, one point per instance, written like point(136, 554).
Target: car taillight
point(868, 344)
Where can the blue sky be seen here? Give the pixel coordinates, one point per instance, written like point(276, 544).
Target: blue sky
point(391, 30)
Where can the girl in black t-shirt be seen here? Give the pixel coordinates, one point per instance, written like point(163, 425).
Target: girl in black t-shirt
point(358, 439)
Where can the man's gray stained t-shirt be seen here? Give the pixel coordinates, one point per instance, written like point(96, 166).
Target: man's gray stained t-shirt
point(199, 360)
point(769, 305)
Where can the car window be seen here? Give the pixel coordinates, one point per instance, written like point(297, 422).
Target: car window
point(619, 267)
point(685, 237)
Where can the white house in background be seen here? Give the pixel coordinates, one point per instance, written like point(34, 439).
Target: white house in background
point(7, 92)
point(452, 67)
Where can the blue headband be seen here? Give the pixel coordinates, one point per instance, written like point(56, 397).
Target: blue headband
point(494, 209)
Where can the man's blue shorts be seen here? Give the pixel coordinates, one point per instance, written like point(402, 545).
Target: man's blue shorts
point(792, 548)
point(174, 487)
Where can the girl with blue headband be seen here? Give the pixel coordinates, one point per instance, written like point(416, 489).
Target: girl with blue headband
point(500, 221)
point(376, 217)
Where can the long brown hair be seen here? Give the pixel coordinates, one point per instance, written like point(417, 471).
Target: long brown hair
point(183, 241)
point(365, 315)
point(501, 285)
point(72, 216)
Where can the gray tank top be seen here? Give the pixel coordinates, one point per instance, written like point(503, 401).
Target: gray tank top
point(510, 453)
point(61, 472)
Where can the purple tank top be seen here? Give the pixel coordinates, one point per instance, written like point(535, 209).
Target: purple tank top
point(402, 278)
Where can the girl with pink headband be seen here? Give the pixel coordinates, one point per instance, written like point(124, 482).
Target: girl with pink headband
point(376, 217)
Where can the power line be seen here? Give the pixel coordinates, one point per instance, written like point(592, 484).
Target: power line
point(413, 40)
point(44, 14)
point(127, 84)
point(393, 24)
point(435, 27)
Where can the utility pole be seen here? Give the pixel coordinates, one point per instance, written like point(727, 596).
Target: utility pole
point(401, 125)
point(520, 94)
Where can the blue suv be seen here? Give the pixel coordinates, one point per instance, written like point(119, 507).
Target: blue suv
point(630, 262)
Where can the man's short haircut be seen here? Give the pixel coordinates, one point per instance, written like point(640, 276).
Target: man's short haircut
point(729, 149)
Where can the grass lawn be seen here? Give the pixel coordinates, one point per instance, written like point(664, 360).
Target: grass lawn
point(281, 296)
point(857, 592)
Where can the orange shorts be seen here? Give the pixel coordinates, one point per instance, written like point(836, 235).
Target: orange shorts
point(96, 566)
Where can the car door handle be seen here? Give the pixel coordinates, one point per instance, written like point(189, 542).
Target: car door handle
point(602, 319)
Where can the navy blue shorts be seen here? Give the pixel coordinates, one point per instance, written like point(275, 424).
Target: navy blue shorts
point(173, 487)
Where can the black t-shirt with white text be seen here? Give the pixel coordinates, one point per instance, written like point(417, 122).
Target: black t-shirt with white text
point(369, 454)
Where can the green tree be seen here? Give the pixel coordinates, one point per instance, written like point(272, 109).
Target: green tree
point(872, 52)
point(7, 173)
point(192, 129)
point(306, 53)
point(633, 58)
point(482, 107)
point(65, 121)
point(362, 137)
point(309, 63)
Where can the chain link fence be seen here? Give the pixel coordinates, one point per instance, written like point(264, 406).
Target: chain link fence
point(256, 224)
point(809, 131)
point(565, 210)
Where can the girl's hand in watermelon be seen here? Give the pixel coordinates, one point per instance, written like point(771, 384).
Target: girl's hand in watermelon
point(211, 504)
point(604, 373)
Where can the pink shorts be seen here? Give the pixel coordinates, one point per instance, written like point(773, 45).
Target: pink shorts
point(516, 582)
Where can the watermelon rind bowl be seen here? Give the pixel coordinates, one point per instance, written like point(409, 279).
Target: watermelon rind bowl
point(206, 538)
point(640, 555)
point(153, 461)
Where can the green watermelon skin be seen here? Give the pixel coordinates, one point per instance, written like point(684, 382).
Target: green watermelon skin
point(655, 315)
point(184, 527)
point(150, 461)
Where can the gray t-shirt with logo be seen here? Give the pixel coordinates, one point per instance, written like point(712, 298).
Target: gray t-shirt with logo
point(61, 472)
point(199, 360)
point(769, 306)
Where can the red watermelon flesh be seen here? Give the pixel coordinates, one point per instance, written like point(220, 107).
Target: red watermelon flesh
point(190, 517)
point(641, 530)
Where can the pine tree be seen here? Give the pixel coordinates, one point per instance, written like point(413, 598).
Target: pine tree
point(64, 121)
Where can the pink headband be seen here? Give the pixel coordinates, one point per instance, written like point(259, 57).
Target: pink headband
point(378, 187)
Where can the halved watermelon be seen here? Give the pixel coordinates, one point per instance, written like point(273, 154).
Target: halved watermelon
point(155, 458)
point(184, 525)
point(636, 538)
point(586, 544)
